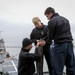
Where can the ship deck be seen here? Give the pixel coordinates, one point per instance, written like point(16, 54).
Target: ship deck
point(10, 67)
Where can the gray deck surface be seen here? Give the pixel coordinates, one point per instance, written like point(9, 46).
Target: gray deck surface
point(9, 66)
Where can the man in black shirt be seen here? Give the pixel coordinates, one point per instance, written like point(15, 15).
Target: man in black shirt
point(26, 59)
point(40, 33)
point(59, 31)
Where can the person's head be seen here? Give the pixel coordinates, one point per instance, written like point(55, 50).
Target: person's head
point(27, 44)
point(37, 22)
point(49, 12)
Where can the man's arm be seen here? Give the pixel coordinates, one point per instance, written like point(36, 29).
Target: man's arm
point(32, 37)
point(27, 57)
point(51, 29)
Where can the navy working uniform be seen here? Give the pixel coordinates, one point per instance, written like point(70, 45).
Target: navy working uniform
point(41, 33)
point(59, 31)
point(26, 60)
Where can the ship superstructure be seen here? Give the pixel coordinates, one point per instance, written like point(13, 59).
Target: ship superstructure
point(8, 64)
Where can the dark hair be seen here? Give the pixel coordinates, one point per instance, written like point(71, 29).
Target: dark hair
point(49, 10)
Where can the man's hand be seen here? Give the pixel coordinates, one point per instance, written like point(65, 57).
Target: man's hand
point(41, 42)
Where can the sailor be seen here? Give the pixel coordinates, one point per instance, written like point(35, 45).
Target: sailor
point(26, 60)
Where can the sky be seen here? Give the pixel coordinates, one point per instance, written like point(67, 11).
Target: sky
point(22, 11)
point(16, 16)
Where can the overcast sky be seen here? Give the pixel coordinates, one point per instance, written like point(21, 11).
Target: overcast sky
point(22, 11)
point(16, 16)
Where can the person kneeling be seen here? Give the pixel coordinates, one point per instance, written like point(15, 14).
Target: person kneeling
point(26, 60)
